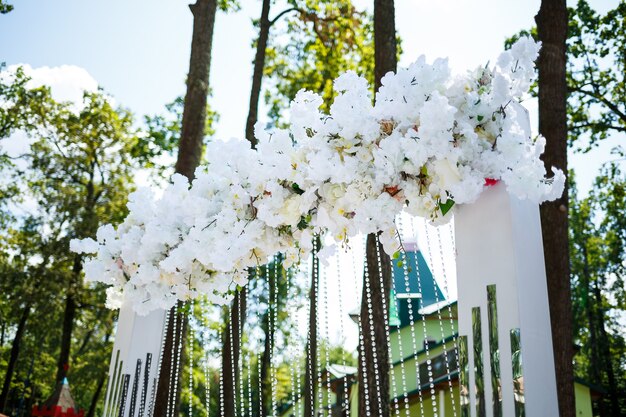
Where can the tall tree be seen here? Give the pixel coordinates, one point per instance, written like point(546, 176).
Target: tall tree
point(75, 174)
point(552, 88)
point(231, 351)
point(595, 112)
point(385, 41)
point(83, 183)
point(189, 156)
point(598, 250)
point(195, 108)
point(16, 273)
point(231, 345)
point(374, 350)
point(258, 70)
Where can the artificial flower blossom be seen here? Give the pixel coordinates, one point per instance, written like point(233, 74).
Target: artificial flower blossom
point(429, 142)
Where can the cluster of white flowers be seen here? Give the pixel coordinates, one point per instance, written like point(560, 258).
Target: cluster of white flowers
point(430, 141)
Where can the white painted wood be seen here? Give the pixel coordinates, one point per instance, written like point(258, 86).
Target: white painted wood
point(498, 241)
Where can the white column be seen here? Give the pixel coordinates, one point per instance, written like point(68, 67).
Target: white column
point(134, 363)
point(498, 242)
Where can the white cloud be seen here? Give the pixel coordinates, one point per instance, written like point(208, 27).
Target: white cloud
point(66, 82)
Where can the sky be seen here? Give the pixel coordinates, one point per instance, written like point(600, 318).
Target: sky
point(138, 51)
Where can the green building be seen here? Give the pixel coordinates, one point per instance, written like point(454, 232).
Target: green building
point(428, 338)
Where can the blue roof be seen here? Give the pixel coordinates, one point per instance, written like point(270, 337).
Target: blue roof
point(420, 281)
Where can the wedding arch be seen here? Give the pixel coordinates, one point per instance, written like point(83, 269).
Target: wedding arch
point(431, 145)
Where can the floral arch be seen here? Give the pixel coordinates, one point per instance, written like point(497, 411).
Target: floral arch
point(430, 142)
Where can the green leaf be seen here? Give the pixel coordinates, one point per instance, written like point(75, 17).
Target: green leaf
point(296, 188)
point(446, 207)
point(303, 223)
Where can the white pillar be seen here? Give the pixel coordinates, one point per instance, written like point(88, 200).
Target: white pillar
point(134, 363)
point(500, 250)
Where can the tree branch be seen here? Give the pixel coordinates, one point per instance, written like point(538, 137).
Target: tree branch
point(284, 12)
point(599, 97)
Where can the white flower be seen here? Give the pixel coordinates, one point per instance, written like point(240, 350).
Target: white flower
point(86, 245)
point(429, 138)
point(447, 173)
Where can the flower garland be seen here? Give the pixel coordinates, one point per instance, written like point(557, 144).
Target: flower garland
point(429, 142)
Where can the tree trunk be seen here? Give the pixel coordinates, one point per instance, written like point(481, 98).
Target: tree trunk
point(238, 308)
point(189, 156)
point(257, 74)
point(15, 351)
point(231, 352)
point(552, 29)
point(194, 111)
point(374, 352)
point(385, 48)
point(69, 315)
point(269, 330)
point(310, 386)
point(169, 373)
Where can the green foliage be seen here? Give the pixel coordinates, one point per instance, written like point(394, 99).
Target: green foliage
point(228, 5)
point(23, 107)
point(156, 146)
point(596, 67)
point(597, 256)
point(76, 174)
point(317, 42)
point(5, 7)
point(596, 64)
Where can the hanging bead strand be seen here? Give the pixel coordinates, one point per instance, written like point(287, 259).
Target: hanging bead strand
point(172, 362)
point(363, 364)
point(240, 318)
point(344, 404)
point(232, 359)
point(429, 366)
point(207, 376)
point(386, 319)
point(310, 272)
point(407, 288)
point(220, 335)
point(158, 370)
point(191, 340)
point(327, 338)
point(318, 357)
point(452, 327)
point(258, 323)
point(370, 315)
point(274, 310)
